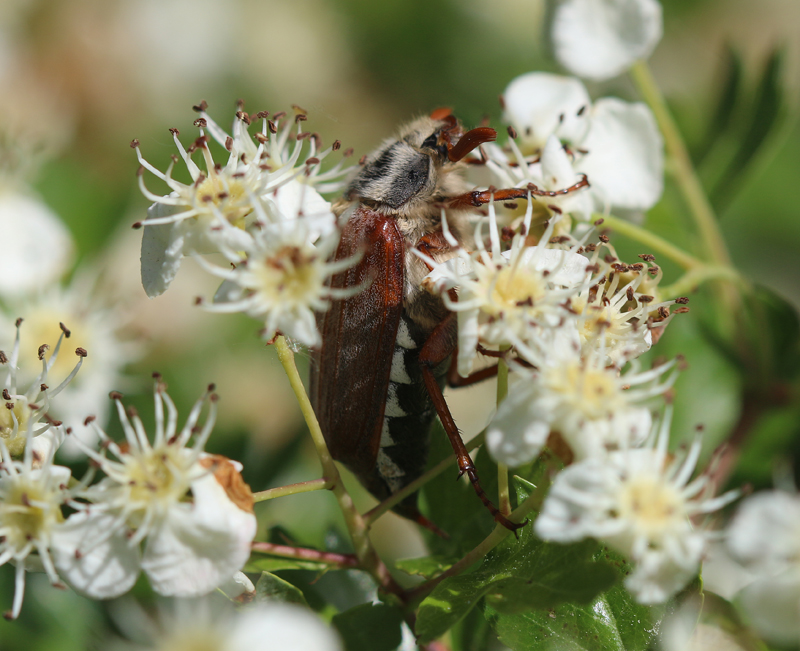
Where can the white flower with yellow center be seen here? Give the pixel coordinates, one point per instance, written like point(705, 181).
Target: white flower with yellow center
point(514, 298)
point(192, 511)
point(32, 489)
point(206, 625)
point(617, 316)
point(641, 503)
point(282, 280)
point(24, 416)
point(594, 408)
point(263, 182)
point(31, 496)
point(93, 326)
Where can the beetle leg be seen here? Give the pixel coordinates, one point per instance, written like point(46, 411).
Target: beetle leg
point(434, 351)
point(478, 198)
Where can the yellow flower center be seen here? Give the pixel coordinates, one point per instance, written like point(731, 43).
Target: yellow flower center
point(192, 639)
point(20, 411)
point(158, 475)
point(593, 391)
point(289, 273)
point(20, 520)
point(517, 287)
point(41, 327)
point(653, 505)
point(230, 197)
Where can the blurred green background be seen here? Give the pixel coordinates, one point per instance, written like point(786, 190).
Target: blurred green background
point(80, 78)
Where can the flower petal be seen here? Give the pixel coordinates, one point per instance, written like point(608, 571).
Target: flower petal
point(625, 163)
point(514, 437)
point(286, 627)
point(100, 570)
point(772, 606)
point(540, 104)
point(162, 250)
point(201, 545)
point(599, 39)
point(38, 246)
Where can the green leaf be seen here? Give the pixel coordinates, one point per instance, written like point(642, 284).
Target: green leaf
point(517, 575)
point(274, 564)
point(758, 113)
point(473, 633)
point(732, 75)
point(274, 588)
point(427, 566)
point(775, 333)
point(612, 621)
point(370, 627)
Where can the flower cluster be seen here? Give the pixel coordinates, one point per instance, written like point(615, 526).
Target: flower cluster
point(190, 510)
point(549, 294)
point(262, 210)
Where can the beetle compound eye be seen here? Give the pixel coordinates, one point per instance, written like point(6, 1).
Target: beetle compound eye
point(433, 142)
point(430, 141)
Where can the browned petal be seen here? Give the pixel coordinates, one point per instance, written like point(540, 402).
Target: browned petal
point(230, 479)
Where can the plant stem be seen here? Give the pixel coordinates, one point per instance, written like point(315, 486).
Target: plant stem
point(696, 277)
point(367, 557)
point(682, 167)
point(301, 553)
point(504, 498)
point(373, 514)
point(292, 489)
point(653, 242)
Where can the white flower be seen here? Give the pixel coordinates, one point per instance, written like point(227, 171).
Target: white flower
point(191, 509)
point(26, 413)
point(283, 280)
point(32, 490)
point(642, 504)
point(599, 39)
point(765, 536)
point(93, 326)
point(593, 407)
point(617, 314)
point(200, 624)
point(264, 183)
point(616, 144)
point(514, 298)
point(30, 514)
point(37, 246)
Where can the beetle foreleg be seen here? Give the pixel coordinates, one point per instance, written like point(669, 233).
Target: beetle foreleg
point(478, 198)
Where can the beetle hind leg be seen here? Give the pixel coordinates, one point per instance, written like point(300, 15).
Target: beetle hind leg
point(436, 349)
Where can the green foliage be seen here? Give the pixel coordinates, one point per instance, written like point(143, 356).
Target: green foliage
point(611, 622)
point(427, 566)
point(274, 588)
point(518, 575)
point(746, 119)
point(370, 627)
